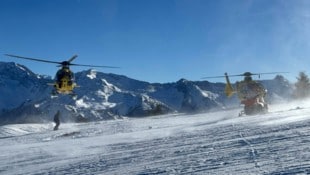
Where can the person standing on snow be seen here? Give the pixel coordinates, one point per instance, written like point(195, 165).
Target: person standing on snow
point(57, 120)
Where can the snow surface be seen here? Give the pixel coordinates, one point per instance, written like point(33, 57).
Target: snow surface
point(209, 143)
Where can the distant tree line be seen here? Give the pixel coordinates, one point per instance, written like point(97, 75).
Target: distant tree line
point(302, 86)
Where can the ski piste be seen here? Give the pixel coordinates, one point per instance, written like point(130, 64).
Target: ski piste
point(207, 143)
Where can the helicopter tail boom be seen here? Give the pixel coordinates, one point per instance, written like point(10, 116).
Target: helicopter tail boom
point(229, 91)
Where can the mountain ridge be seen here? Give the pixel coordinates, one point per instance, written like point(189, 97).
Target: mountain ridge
point(26, 96)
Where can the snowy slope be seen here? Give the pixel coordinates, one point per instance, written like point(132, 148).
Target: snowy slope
point(209, 143)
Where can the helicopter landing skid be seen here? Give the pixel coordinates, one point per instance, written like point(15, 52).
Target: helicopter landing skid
point(74, 96)
point(54, 94)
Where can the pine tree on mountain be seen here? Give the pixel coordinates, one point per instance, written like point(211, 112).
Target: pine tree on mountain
point(302, 86)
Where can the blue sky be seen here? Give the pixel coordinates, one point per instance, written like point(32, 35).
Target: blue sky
point(160, 40)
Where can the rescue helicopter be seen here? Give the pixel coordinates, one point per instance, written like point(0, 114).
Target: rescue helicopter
point(64, 79)
point(250, 93)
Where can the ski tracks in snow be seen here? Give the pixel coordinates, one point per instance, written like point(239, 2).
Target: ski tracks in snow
point(211, 143)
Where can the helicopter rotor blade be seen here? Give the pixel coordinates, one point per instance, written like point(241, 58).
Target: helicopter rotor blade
point(221, 76)
point(86, 65)
point(72, 58)
point(264, 73)
point(245, 74)
point(270, 73)
point(33, 59)
point(63, 63)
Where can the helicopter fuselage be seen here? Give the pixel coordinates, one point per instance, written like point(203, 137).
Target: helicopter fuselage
point(64, 83)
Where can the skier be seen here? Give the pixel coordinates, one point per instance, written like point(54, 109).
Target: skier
point(251, 94)
point(57, 120)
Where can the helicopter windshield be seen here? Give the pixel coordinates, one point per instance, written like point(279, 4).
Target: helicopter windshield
point(64, 73)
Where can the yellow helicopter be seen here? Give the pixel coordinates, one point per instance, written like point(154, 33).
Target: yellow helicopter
point(250, 93)
point(64, 79)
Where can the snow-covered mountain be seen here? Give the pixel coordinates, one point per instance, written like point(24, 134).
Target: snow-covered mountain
point(25, 96)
